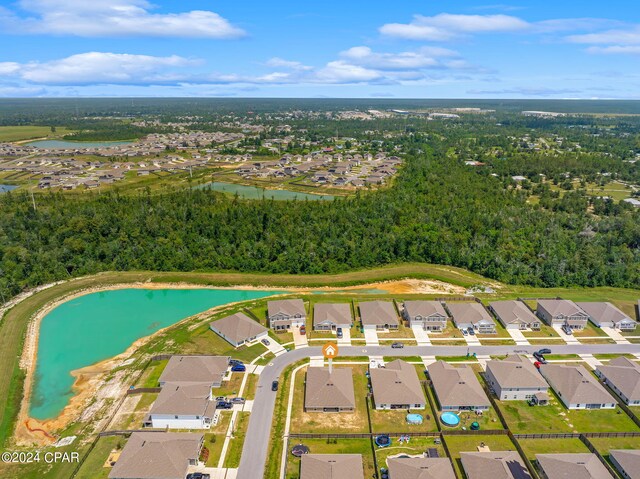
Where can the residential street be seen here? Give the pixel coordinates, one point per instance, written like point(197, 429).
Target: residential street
point(256, 446)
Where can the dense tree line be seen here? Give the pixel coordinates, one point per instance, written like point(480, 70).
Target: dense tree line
point(438, 211)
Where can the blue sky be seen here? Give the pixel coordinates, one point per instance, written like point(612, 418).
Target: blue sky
point(285, 48)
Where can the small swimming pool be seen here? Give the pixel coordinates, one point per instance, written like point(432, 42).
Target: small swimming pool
point(414, 418)
point(450, 419)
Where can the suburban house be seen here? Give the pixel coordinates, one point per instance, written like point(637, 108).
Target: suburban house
point(334, 466)
point(420, 468)
point(606, 315)
point(515, 378)
point(239, 329)
point(623, 376)
point(158, 455)
point(577, 465)
point(396, 386)
point(329, 391)
point(192, 369)
point(378, 315)
point(626, 461)
point(430, 315)
point(331, 316)
point(515, 315)
point(576, 387)
point(494, 465)
point(457, 388)
point(286, 313)
point(562, 312)
point(472, 315)
point(183, 406)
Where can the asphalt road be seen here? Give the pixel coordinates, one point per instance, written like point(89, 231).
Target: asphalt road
point(256, 446)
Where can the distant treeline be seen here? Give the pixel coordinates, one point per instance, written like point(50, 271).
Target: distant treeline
point(438, 211)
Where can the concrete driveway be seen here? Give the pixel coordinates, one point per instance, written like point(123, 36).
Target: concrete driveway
point(518, 337)
point(274, 346)
point(300, 340)
point(567, 338)
point(422, 337)
point(371, 337)
point(345, 340)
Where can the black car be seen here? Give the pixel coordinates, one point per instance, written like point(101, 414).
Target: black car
point(397, 345)
point(198, 475)
point(234, 362)
point(544, 351)
point(224, 405)
point(274, 386)
point(540, 357)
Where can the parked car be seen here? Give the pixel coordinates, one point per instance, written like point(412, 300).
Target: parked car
point(238, 400)
point(221, 398)
point(471, 332)
point(339, 333)
point(384, 474)
point(274, 386)
point(224, 405)
point(540, 358)
point(464, 332)
point(238, 368)
point(303, 330)
point(198, 475)
point(397, 345)
point(544, 351)
point(266, 342)
point(567, 330)
point(233, 362)
point(537, 364)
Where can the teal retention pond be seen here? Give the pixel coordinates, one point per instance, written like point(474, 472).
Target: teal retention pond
point(98, 326)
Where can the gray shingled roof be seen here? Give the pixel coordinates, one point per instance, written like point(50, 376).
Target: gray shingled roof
point(290, 307)
point(575, 384)
point(625, 375)
point(513, 312)
point(603, 312)
point(456, 386)
point(329, 390)
point(629, 460)
point(572, 466)
point(420, 468)
point(396, 383)
point(516, 371)
point(494, 465)
point(195, 369)
point(377, 313)
point(183, 399)
point(472, 313)
point(337, 313)
point(238, 327)
point(155, 455)
point(424, 309)
point(560, 307)
point(331, 466)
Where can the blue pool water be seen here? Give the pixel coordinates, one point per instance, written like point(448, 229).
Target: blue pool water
point(414, 418)
point(450, 419)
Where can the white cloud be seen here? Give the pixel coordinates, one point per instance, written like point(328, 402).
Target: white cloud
point(281, 63)
point(97, 67)
point(619, 37)
point(616, 50)
point(446, 26)
point(422, 58)
point(113, 18)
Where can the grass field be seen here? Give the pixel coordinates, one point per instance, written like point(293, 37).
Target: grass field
point(531, 447)
point(18, 133)
point(93, 467)
point(334, 446)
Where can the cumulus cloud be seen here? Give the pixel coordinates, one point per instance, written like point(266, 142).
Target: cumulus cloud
point(447, 26)
point(277, 62)
point(630, 36)
point(616, 50)
point(427, 57)
point(112, 18)
point(98, 67)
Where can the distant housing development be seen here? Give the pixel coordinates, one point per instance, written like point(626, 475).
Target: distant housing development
point(239, 329)
point(457, 388)
point(576, 387)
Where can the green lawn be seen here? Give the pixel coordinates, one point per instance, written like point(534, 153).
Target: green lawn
point(237, 441)
point(396, 420)
point(230, 388)
point(93, 465)
point(416, 445)
point(531, 447)
point(522, 418)
point(18, 133)
point(333, 446)
point(151, 375)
